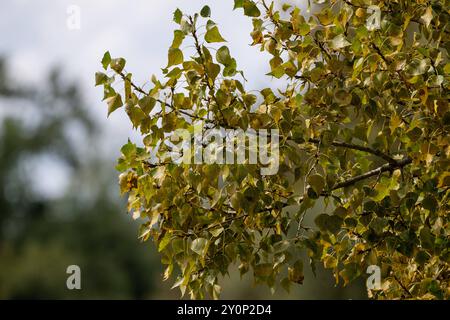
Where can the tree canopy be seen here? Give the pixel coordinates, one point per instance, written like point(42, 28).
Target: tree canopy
point(363, 121)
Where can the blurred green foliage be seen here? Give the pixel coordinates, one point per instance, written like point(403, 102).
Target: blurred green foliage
point(41, 235)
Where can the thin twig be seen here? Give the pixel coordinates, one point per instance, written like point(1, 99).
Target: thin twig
point(360, 148)
point(386, 167)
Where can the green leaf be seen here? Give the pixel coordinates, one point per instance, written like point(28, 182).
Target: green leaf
point(128, 150)
point(178, 37)
point(339, 42)
point(177, 16)
point(321, 221)
point(317, 182)
point(378, 224)
point(286, 6)
point(217, 232)
point(136, 115)
point(447, 68)
point(169, 122)
point(342, 97)
point(329, 223)
point(350, 273)
point(175, 73)
point(114, 103)
point(303, 29)
point(147, 104)
point(422, 257)
point(230, 69)
point(205, 12)
point(212, 70)
point(164, 242)
point(106, 60)
point(175, 57)
point(263, 270)
point(100, 78)
point(411, 199)
point(330, 262)
point(200, 246)
point(238, 4)
point(418, 67)
point(427, 16)
point(269, 96)
point(118, 64)
point(223, 56)
point(430, 203)
point(213, 35)
point(334, 223)
point(178, 100)
point(295, 273)
point(426, 238)
point(250, 9)
point(249, 99)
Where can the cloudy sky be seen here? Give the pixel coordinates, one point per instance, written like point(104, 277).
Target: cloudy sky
point(35, 36)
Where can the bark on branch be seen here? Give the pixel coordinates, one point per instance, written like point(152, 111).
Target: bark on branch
point(360, 148)
point(386, 167)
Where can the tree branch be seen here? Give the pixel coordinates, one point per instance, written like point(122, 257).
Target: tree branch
point(206, 76)
point(402, 285)
point(140, 90)
point(378, 153)
point(386, 167)
point(390, 166)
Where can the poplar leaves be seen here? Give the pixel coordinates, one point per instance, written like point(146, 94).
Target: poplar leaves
point(363, 118)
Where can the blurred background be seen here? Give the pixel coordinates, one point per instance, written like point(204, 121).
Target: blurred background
point(59, 199)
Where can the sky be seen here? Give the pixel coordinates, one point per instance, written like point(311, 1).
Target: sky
point(35, 36)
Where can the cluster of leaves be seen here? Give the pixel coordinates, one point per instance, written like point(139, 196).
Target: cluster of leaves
point(364, 124)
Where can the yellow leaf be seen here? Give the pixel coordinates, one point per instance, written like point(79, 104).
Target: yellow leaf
point(427, 16)
point(395, 122)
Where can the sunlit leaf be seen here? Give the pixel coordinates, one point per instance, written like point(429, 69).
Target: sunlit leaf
point(213, 35)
